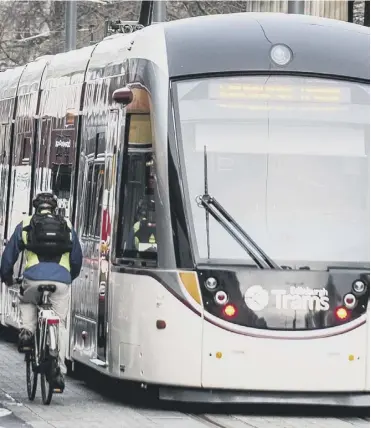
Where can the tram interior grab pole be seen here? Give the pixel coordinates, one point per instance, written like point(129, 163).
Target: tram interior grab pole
point(70, 24)
point(296, 6)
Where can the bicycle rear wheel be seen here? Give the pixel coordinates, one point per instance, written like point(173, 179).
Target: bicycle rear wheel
point(49, 367)
point(47, 380)
point(31, 375)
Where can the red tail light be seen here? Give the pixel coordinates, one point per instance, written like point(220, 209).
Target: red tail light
point(53, 321)
point(230, 311)
point(342, 313)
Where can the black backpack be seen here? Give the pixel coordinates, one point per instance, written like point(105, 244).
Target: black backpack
point(48, 235)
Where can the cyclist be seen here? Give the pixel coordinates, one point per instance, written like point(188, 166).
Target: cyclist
point(53, 256)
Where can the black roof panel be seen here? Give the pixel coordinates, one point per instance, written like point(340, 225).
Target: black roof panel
point(242, 42)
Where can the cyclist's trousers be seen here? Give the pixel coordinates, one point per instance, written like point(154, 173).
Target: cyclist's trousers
point(60, 301)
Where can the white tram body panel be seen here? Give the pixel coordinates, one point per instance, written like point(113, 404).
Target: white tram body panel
point(159, 324)
point(144, 351)
point(301, 365)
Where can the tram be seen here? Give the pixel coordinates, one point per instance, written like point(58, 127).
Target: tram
point(240, 143)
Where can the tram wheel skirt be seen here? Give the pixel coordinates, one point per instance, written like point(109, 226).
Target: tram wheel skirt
point(351, 399)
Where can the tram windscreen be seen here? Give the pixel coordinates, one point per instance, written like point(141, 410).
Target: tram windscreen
point(288, 158)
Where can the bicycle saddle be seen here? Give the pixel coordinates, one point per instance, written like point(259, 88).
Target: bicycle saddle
point(47, 287)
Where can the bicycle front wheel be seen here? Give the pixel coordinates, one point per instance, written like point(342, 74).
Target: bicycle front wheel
point(31, 375)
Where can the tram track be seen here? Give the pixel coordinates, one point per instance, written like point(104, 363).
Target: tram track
point(207, 421)
point(222, 421)
point(239, 421)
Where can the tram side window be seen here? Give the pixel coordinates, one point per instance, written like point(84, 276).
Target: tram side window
point(61, 180)
point(88, 194)
point(97, 200)
point(26, 151)
point(137, 228)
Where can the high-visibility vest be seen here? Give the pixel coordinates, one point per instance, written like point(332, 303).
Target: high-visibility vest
point(144, 233)
point(31, 258)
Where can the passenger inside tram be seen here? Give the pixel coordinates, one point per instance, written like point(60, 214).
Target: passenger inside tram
point(143, 233)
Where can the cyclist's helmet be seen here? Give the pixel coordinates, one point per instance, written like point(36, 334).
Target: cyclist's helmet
point(45, 201)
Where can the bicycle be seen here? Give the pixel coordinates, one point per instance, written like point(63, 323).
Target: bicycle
point(42, 358)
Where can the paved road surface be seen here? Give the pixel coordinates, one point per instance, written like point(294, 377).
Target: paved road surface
point(98, 402)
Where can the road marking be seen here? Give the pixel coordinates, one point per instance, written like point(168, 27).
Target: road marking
point(10, 397)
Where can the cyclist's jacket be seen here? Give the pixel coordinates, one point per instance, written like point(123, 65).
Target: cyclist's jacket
point(61, 269)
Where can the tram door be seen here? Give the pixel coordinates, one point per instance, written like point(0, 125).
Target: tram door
point(106, 198)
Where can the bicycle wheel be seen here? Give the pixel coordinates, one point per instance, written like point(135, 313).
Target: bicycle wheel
point(47, 380)
point(31, 375)
point(49, 369)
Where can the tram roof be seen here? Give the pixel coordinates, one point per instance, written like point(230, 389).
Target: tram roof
point(30, 80)
point(67, 68)
point(231, 43)
point(9, 80)
point(241, 42)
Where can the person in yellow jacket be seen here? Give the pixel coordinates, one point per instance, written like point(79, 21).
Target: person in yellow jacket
point(143, 233)
point(52, 257)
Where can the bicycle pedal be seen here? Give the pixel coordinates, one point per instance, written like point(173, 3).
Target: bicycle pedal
point(57, 391)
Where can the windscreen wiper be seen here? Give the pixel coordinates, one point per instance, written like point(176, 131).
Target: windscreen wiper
point(213, 207)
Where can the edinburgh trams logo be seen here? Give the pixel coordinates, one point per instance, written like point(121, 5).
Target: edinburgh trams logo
point(296, 298)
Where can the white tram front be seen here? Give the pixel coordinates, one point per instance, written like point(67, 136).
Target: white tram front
point(217, 173)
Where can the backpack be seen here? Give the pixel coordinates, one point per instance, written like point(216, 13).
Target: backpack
point(48, 235)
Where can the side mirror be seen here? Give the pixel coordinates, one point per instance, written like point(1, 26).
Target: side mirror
point(123, 96)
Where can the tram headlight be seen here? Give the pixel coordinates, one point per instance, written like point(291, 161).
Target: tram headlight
point(221, 298)
point(350, 301)
point(359, 286)
point(211, 283)
point(281, 54)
